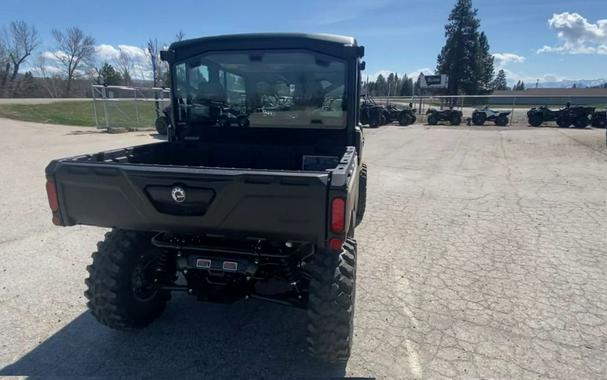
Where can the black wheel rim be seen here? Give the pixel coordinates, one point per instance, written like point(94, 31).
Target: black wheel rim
point(142, 281)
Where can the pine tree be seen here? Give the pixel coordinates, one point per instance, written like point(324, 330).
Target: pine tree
point(500, 82)
point(485, 64)
point(465, 57)
point(406, 86)
point(108, 76)
point(381, 86)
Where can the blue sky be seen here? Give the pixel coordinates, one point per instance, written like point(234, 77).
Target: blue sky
point(400, 35)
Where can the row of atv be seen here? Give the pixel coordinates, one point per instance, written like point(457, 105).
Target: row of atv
point(577, 116)
point(479, 116)
point(375, 115)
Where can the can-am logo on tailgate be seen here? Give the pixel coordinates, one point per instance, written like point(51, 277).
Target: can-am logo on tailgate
point(178, 194)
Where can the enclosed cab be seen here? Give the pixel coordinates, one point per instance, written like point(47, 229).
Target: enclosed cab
point(256, 193)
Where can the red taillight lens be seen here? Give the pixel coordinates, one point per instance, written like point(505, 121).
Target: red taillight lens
point(338, 215)
point(336, 244)
point(51, 193)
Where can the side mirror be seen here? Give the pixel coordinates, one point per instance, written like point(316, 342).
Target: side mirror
point(166, 55)
point(363, 65)
point(361, 51)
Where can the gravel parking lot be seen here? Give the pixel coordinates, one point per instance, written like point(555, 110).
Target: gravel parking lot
point(483, 254)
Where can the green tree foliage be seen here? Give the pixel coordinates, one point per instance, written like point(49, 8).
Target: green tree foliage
point(107, 75)
point(485, 64)
point(519, 86)
point(500, 82)
point(465, 58)
point(393, 85)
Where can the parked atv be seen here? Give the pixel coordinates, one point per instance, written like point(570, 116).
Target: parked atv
point(435, 116)
point(404, 116)
point(499, 118)
point(599, 119)
point(372, 114)
point(578, 116)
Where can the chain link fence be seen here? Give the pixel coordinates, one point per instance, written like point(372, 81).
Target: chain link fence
point(130, 108)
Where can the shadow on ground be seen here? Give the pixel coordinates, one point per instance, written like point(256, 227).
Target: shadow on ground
point(192, 339)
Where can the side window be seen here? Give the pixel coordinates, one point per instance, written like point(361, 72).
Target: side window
point(180, 79)
point(198, 74)
point(235, 88)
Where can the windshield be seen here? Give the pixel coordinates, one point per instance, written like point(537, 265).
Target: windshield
point(278, 89)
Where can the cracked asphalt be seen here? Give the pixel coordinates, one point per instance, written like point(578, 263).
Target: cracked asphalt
point(483, 254)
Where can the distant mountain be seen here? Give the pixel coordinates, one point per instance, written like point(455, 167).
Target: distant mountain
point(582, 83)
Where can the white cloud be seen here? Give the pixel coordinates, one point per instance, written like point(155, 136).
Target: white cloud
point(53, 55)
point(425, 70)
point(503, 59)
point(141, 65)
point(134, 51)
point(530, 80)
point(106, 53)
point(578, 35)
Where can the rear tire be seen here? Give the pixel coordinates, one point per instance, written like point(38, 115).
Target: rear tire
point(535, 120)
point(404, 119)
point(455, 119)
point(114, 296)
point(501, 121)
point(478, 118)
point(581, 122)
point(362, 195)
point(432, 119)
point(162, 125)
point(331, 304)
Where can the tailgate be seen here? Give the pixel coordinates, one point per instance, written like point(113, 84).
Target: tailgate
point(229, 202)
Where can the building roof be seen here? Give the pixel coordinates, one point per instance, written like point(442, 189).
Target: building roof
point(555, 92)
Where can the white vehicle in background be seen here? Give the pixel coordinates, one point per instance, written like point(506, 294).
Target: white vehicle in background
point(500, 118)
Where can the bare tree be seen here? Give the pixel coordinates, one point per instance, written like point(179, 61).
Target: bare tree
point(180, 35)
point(153, 53)
point(51, 82)
point(5, 63)
point(22, 41)
point(125, 64)
point(152, 49)
point(74, 51)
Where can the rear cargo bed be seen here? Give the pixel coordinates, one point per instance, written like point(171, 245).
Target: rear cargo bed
point(132, 188)
point(218, 155)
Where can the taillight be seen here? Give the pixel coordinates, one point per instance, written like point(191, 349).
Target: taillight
point(53, 202)
point(336, 244)
point(338, 215)
point(51, 193)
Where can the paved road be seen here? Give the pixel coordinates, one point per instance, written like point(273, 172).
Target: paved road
point(483, 254)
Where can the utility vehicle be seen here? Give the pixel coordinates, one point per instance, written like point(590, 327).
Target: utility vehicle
point(266, 210)
point(499, 118)
point(404, 116)
point(578, 116)
point(434, 116)
point(372, 114)
point(599, 119)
